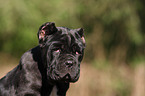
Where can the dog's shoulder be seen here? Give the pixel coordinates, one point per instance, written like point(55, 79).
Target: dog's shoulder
point(27, 63)
point(22, 77)
point(30, 57)
point(27, 57)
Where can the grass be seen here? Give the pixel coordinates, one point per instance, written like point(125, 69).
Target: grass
point(96, 81)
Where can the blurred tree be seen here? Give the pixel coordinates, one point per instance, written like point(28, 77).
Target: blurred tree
point(114, 28)
point(20, 21)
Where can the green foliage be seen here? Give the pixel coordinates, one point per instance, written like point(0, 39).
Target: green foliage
point(115, 31)
point(113, 28)
point(20, 21)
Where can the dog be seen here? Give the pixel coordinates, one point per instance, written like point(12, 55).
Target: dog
point(48, 68)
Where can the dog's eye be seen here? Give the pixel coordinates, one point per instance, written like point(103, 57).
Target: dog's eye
point(76, 50)
point(77, 53)
point(57, 51)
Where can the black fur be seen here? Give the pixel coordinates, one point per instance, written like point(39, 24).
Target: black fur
point(54, 62)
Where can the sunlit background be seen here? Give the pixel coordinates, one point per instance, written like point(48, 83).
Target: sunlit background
point(114, 62)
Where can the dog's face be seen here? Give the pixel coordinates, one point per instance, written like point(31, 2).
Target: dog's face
point(62, 51)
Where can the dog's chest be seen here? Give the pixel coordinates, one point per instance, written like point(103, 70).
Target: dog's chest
point(54, 91)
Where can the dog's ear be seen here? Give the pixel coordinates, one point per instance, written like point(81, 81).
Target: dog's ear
point(81, 33)
point(46, 30)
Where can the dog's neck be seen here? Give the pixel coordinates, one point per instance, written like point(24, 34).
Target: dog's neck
point(55, 92)
point(48, 87)
point(58, 89)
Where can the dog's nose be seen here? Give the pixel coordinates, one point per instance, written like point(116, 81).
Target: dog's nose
point(69, 63)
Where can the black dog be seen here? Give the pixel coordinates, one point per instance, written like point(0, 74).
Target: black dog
point(52, 64)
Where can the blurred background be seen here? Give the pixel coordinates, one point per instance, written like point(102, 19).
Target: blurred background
point(114, 62)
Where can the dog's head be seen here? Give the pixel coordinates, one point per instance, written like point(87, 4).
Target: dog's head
point(62, 51)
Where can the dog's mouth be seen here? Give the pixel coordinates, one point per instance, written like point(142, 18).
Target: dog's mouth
point(65, 77)
point(69, 78)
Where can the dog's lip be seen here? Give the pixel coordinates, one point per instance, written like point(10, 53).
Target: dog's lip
point(58, 74)
point(66, 77)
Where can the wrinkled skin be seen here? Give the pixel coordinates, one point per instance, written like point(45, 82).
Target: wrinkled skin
point(55, 62)
point(63, 55)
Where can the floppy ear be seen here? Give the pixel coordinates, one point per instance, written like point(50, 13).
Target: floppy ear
point(81, 33)
point(45, 30)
